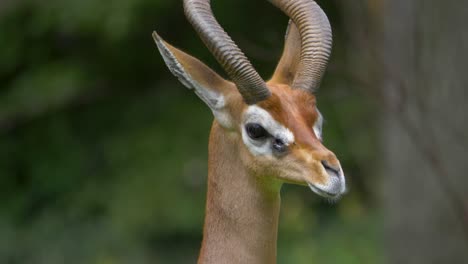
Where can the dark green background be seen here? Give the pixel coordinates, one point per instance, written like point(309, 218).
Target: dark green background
point(103, 152)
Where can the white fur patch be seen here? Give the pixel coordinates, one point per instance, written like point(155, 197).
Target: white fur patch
point(256, 114)
point(336, 185)
point(318, 126)
point(214, 100)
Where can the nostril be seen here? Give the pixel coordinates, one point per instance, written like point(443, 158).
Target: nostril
point(327, 166)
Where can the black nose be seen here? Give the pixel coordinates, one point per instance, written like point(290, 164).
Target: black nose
point(335, 170)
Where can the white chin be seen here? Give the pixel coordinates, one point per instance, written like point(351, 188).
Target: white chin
point(335, 188)
point(323, 193)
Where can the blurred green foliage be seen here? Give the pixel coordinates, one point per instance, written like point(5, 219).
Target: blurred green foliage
point(103, 153)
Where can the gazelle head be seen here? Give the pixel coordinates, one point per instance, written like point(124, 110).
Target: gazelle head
point(277, 124)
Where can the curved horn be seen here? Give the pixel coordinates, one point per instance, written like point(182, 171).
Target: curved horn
point(316, 40)
point(249, 83)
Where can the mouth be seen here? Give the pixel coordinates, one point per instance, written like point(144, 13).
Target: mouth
point(335, 187)
point(324, 193)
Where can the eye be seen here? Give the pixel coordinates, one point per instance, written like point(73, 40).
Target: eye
point(255, 131)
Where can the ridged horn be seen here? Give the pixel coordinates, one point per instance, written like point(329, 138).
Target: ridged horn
point(249, 83)
point(316, 40)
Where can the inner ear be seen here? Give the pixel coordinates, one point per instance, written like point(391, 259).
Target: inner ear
point(287, 66)
point(195, 75)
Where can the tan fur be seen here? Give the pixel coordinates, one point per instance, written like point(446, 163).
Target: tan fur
point(200, 72)
point(296, 110)
point(241, 218)
point(287, 66)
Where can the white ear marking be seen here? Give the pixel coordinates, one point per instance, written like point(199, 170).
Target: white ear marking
point(172, 63)
point(214, 100)
point(318, 125)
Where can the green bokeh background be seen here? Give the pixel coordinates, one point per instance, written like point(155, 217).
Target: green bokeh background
point(103, 152)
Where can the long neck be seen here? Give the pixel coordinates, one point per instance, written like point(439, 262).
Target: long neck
point(241, 220)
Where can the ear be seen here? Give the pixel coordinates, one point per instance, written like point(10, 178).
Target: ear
point(287, 66)
point(194, 74)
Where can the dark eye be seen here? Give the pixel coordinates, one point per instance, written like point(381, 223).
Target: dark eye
point(255, 131)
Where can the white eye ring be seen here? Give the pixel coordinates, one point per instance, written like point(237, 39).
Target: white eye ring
point(257, 115)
